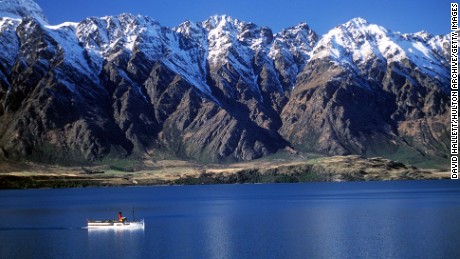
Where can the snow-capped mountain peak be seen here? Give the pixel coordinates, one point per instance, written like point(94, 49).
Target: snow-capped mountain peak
point(189, 28)
point(19, 9)
point(221, 21)
point(423, 35)
point(357, 22)
point(358, 41)
point(300, 36)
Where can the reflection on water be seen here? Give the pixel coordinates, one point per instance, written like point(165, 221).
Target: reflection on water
point(217, 242)
point(107, 231)
point(319, 220)
point(125, 243)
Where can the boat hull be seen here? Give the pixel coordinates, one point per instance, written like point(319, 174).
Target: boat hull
point(112, 224)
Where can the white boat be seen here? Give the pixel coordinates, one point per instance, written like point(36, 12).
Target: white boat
point(115, 224)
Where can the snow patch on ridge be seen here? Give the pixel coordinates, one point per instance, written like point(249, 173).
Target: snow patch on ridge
point(9, 42)
point(65, 35)
point(19, 9)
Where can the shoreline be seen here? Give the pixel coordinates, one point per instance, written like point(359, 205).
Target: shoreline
point(66, 184)
point(176, 172)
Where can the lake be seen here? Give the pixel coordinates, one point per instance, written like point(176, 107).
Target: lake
point(401, 219)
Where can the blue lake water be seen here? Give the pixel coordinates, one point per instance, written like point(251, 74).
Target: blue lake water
point(406, 219)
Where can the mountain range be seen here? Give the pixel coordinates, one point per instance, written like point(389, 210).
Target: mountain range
point(218, 90)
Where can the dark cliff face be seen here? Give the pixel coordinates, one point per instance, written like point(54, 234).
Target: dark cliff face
point(219, 90)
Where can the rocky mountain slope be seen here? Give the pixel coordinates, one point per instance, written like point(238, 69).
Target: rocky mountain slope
point(217, 90)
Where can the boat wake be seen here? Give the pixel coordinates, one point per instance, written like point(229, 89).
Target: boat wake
point(40, 228)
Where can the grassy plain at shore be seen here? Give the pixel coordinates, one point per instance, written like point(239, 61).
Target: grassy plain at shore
point(173, 172)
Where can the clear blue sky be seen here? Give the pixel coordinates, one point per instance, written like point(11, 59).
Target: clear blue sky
point(397, 15)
